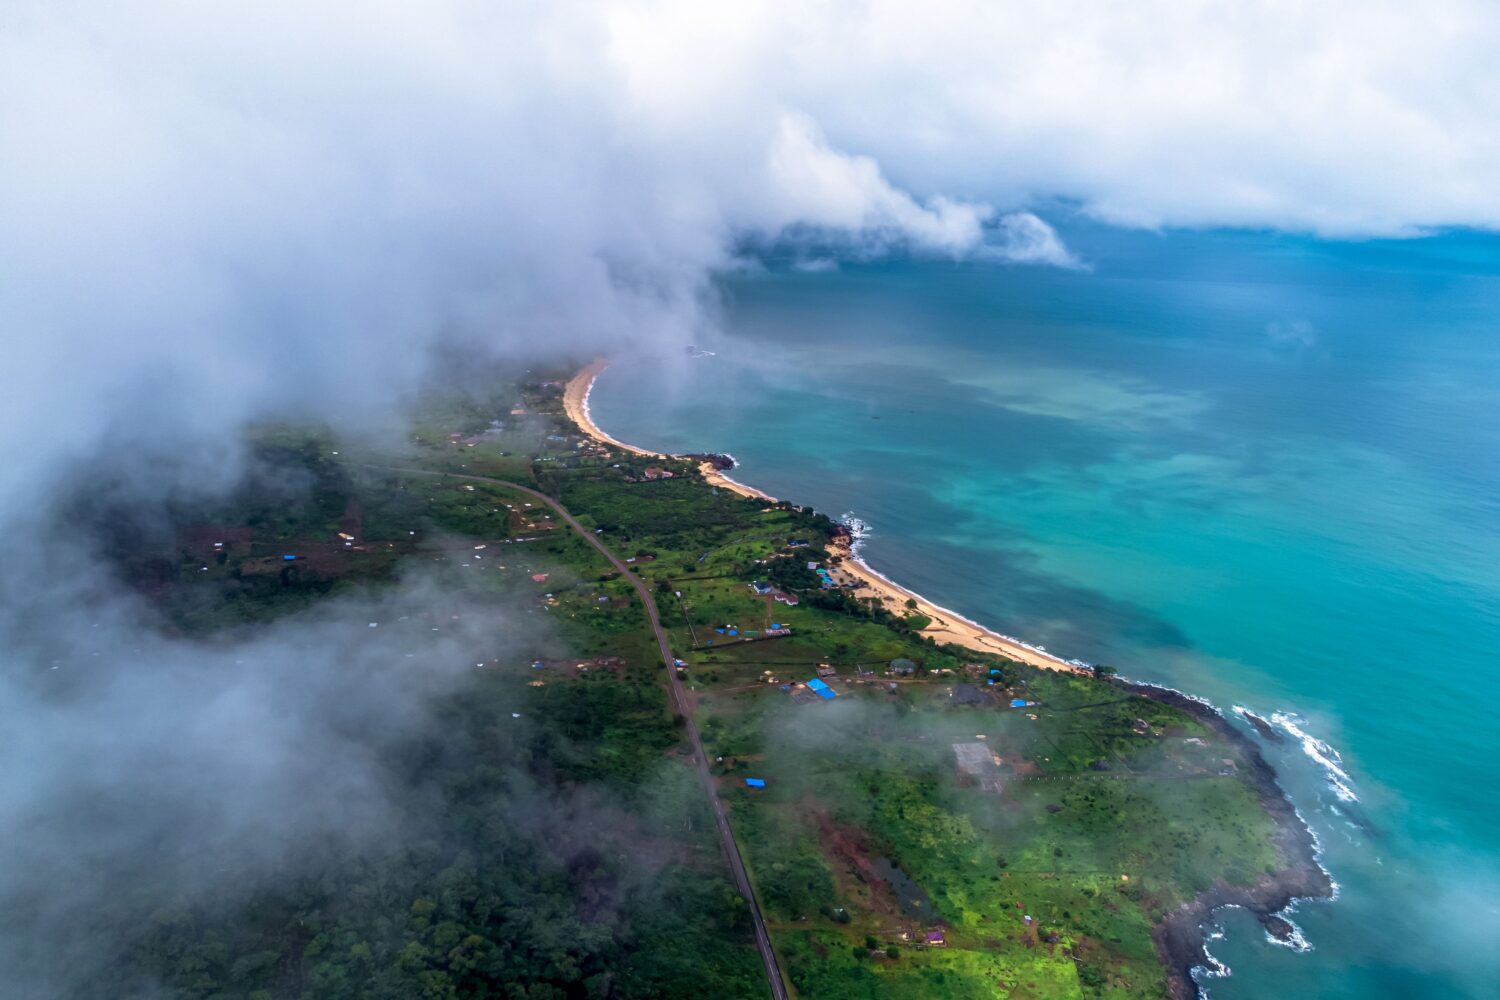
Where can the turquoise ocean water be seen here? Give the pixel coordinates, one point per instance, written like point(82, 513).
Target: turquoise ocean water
point(1259, 468)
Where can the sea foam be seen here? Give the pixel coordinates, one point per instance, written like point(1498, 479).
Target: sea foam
point(1321, 753)
point(859, 530)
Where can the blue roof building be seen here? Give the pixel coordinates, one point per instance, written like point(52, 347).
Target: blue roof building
point(822, 690)
point(755, 782)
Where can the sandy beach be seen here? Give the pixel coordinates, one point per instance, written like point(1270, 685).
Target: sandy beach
point(576, 403)
point(947, 626)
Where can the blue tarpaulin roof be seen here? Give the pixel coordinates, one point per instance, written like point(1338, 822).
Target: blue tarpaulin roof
point(823, 690)
point(756, 782)
point(1018, 703)
point(288, 558)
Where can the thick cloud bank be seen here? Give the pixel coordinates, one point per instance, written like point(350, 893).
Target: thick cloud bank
point(221, 209)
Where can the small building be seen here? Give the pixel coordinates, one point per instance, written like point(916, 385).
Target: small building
point(791, 600)
point(902, 667)
point(755, 782)
point(817, 687)
point(657, 472)
point(539, 577)
point(761, 587)
point(797, 543)
point(825, 670)
point(935, 939)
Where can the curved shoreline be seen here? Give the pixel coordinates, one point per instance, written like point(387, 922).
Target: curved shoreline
point(1182, 936)
point(576, 405)
point(947, 625)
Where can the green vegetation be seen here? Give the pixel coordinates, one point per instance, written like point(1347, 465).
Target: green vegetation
point(1044, 877)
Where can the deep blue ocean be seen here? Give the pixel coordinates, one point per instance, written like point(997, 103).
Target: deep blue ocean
point(1260, 468)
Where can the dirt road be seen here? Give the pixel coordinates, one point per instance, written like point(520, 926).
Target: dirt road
point(700, 759)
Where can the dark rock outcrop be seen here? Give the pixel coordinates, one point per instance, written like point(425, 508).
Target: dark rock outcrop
point(1180, 936)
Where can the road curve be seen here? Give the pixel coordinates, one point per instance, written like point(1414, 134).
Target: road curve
point(726, 835)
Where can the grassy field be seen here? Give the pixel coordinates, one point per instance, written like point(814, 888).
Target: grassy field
point(884, 870)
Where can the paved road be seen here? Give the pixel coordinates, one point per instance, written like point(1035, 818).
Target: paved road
point(726, 836)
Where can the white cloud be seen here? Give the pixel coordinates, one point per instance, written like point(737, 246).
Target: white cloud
point(1342, 118)
point(1026, 239)
point(819, 186)
point(228, 211)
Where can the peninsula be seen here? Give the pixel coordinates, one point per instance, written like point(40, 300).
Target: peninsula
point(694, 746)
point(1180, 933)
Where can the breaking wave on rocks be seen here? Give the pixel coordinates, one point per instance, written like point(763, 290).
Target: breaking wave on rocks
point(1321, 753)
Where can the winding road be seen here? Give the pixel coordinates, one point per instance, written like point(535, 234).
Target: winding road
point(700, 758)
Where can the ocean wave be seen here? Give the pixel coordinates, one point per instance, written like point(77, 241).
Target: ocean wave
point(1212, 967)
point(1294, 940)
point(859, 530)
point(1321, 753)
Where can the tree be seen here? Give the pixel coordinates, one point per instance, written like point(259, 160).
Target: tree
point(1103, 671)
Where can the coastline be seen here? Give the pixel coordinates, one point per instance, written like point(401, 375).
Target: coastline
point(947, 626)
point(576, 405)
point(1182, 935)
